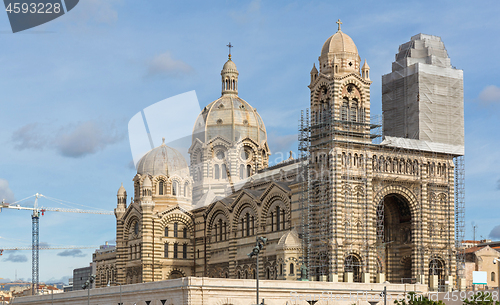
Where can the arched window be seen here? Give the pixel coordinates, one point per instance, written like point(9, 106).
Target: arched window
point(161, 186)
point(493, 276)
point(215, 233)
point(220, 229)
point(248, 224)
point(361, 115)
point(176, 229)
point(186, 190)
point(239, 275)
point(165, 250)
point(216, 170)
point(176, 250)
point(224, 171)
point(184, 251)
point(292, 271)
point(354, 111)
point(283, 219)
point(272, 222)
point(278, 218)
point(184, 232)
point(344, 109)
point(253, 225)
point(175, 188)
point(281, 269)
point(249, 170)
point(242, 171)
point(166, 231)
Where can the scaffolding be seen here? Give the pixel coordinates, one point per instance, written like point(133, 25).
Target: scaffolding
point(324, 219)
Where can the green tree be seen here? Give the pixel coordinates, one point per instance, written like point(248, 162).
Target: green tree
point(482, 298)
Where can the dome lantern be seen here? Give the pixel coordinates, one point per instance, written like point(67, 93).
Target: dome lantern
point(229, 76)
point(339, 54)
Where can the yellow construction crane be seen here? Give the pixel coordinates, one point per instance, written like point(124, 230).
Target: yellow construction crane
point(35, 247)
point(46, 248)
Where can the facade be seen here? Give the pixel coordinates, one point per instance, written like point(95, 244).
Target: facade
point(347, 210)
point(480, 258)
point(80, 276)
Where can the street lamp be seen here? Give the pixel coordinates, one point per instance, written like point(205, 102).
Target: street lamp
point(116, 283)
point(495, 261)
point(88, 285)
point(260, 242)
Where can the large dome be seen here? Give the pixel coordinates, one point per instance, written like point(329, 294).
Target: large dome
point(339, 43)
point(163, 160)
point(231, 118)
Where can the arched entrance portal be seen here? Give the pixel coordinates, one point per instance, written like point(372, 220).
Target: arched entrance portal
point(436, 267)
point(397, 237)
point(353, 264)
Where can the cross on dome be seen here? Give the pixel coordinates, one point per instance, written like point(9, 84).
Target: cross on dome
point(229, 46)
point(339, 23)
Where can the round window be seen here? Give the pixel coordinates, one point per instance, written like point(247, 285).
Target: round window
point(220, 155)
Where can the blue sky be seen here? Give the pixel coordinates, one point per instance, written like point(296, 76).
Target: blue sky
point(69, 88)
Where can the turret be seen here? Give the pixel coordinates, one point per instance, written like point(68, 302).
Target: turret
point(314, 73)
point(365, 71)
point(121, 202)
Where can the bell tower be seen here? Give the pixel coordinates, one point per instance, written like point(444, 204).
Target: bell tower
point(340, 94)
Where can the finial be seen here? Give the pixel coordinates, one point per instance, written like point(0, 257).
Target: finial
point(229, 46)
point(339, 23)
point(163, 141)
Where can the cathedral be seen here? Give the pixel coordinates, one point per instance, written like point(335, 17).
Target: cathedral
point(347, 209)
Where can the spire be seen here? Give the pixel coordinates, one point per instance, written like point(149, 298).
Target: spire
point(365, 71)
point(314, 71)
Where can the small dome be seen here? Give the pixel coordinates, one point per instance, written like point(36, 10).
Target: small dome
point(229, 66)
point(163, 160)
point(147, 182)
point(339, 43)
point(122, 191)
point(290, 240)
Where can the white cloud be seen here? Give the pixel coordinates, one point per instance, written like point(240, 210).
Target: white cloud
point(85, 138)
point(5, 192)
point(164, 65)
point(16, 258)
point(74, 140)
point(490, 94)
point(72, 252)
